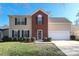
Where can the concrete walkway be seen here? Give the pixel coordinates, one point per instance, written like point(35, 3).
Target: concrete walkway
point(70, 48)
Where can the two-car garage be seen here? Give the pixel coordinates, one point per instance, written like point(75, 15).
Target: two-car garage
point(59, 29)
point(59, 35)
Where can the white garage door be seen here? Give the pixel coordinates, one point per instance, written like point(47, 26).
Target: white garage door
point(59, 35)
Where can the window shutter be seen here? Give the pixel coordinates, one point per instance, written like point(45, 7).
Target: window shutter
point(12, 33)
point(18, 33)
point(15, 21)
point(22, 33)
point(28, 33)
point(25, 21)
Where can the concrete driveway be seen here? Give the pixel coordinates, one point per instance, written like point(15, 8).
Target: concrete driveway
point(70, 48)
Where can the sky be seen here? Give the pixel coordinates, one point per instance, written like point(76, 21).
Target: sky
point(66, 10)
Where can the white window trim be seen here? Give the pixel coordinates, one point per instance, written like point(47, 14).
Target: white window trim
point(38, 20)
point(39, 15)
point(19, 19)
point(30, 32)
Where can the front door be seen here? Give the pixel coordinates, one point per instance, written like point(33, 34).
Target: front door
point(39, 34)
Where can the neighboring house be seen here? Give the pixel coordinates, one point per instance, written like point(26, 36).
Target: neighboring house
point(39, 25)
point(1, 34)
point(4, 31)
point(75, 31)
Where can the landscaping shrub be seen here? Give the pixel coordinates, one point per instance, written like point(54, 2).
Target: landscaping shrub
point(47, 40)
point(44, 39)
point(15, 39)
point(27, 40)
point(20, 39)
point(32, 39)
point(6, 38)
point(72, 37)
point(10, 39)
point(77, 39)
point(23, 39)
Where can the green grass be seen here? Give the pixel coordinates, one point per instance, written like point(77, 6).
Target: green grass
point(29, 49)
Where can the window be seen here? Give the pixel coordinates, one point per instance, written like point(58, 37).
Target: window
point(17, 21)
point(39, 19)
point(23, 21)
point(25, 33)
point(22, 33)
point(18, 33)
point(20, 21)
point(15, 33)
point(12, 33)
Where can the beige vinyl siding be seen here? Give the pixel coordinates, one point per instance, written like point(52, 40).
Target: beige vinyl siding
point(13, 26)
point(59, 26)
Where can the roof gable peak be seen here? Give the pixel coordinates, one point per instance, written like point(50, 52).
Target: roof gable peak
point(39, 10)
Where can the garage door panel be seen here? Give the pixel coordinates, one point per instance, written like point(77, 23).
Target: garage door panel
point(59, 35)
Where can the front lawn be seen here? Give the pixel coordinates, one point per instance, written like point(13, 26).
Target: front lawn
point(29, 49)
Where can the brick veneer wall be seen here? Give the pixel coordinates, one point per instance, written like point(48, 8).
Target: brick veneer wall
point(44, 26)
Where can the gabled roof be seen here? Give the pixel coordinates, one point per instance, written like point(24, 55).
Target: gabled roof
point(59, 20)
point(32, 13)
point(39, 10)
point(21, 15)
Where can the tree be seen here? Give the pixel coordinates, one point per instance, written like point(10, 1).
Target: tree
point(77, 20)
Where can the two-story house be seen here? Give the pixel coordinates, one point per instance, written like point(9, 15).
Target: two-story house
point(39, 25)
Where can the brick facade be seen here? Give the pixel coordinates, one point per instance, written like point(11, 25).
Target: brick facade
point(44, 26)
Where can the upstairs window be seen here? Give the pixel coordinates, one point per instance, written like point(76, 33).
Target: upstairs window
point(39, 19)
point(20, 21)
point(17, 21)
